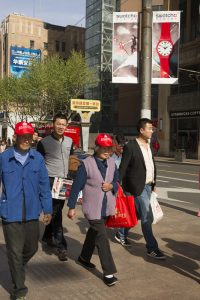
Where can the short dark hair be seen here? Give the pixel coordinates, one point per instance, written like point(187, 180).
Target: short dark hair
point(120, 139)
point(142, 123)
point(59, 116)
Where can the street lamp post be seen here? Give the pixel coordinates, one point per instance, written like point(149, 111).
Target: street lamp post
point(146, 59)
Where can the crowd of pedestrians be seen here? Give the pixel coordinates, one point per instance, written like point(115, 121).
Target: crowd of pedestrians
point(28, 171)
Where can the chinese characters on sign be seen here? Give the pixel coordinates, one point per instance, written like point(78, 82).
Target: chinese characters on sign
point(21, 58)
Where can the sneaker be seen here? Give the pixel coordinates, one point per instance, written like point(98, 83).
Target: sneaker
point(123, 241)
point(85, 264)
point(62, 255)
point(48, 241)
point(110, 280)
point(157, 254)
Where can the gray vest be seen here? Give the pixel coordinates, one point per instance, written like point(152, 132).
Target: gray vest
point(57, 155)
point(92, 192)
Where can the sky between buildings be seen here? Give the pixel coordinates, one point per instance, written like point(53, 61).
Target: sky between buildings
point(58, 12)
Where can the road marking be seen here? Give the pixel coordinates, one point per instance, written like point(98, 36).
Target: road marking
point(167, 166)
point(162, 181)
point(191, 174)
point(163, 193)
point(173, 200)
point(186, 180)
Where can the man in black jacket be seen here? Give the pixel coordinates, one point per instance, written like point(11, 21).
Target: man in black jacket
point(138, 175)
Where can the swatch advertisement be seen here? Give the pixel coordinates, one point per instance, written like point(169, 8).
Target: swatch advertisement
point(125, 47)
point(165, 47)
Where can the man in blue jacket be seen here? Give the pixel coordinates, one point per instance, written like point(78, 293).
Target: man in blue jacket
point(25, 194)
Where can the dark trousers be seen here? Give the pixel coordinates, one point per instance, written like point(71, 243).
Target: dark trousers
point(97, 236)
point(55, 228)
point(21, 243)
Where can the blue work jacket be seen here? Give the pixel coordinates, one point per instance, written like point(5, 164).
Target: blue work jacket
point(24, 186)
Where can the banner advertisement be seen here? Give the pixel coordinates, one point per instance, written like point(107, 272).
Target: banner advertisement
point(125, 47)
point(20, 59)
point(165, 47)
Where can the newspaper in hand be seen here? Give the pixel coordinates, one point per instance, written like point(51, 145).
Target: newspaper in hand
point(61, 188)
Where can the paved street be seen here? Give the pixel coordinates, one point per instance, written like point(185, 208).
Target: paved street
point(139, 277)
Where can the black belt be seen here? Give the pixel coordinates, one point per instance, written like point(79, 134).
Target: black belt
point(149, 183)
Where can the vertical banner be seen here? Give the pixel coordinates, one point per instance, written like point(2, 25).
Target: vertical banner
point(165, 46)
point(125, 47)
point(21, 58)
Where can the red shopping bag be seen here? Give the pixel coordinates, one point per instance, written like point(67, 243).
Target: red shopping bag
point(125, 213)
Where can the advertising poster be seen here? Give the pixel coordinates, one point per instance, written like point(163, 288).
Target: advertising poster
point(125, 47)
point(165, 47)
point(21, 58)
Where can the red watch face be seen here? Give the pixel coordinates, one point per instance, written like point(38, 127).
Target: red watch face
point(165, 48)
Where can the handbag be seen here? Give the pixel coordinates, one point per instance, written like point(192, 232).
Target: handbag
point(125, 213)
point(156, 208)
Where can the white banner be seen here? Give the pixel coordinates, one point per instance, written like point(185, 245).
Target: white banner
point(165, 47)
point(125, 47)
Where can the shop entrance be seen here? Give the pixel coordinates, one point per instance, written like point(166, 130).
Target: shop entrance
point(188, 140)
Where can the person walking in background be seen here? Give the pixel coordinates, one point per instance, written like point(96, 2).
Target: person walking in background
point(97, 176)
point(56, 149)
point(119, 142)
point(138, 175)
point(25, 193)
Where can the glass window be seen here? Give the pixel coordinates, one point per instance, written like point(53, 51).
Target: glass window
point(45, 46)
point(32, 43)
point(63, 46)
point(57, 46)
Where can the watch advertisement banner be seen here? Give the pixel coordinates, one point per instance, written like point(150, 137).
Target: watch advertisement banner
point(125, 47)
point(165, 47)
point(21, 58)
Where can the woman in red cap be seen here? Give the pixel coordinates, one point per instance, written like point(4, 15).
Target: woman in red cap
point(97, 176)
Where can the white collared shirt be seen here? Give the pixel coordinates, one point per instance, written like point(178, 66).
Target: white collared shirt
point(147, 154)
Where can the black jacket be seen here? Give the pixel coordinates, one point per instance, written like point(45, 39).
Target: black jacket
point(132, 169)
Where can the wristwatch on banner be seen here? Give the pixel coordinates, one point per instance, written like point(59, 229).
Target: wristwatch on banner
point(164, 49)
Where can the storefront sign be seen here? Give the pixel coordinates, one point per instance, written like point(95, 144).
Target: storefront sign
point(85, 105)
point(181, 114)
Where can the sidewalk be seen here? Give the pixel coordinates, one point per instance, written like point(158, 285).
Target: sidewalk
point(194, 162)
point(139, 277)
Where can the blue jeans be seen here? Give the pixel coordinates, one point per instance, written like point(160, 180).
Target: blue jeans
point(144, 212)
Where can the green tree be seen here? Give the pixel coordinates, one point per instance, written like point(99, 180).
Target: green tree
point(46, 87)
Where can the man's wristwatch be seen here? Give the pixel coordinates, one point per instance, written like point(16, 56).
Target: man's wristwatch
point(164, 49)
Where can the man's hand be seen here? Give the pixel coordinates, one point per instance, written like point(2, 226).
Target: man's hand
point(71, 213)
point(107, 186)
point(47, 219)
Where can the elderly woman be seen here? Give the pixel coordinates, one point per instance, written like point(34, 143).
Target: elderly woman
point(97, 176)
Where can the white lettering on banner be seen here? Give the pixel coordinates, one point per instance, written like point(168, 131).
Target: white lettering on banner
point(185, 114)
point(164, 16)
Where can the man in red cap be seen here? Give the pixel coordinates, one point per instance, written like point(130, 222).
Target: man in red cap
point(97, 176)
point(25, 193)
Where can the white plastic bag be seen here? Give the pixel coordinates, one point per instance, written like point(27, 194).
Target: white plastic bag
point(156, 208)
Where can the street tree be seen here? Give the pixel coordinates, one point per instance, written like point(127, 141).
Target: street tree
point(45, 88)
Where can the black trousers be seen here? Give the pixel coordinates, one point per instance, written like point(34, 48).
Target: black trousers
point(97, 236)
point(21, 243)
point(55, 228)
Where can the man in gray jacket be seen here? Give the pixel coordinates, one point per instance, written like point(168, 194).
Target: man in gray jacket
point(56, 149)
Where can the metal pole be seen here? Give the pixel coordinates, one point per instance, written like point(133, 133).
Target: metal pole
point(146, 59)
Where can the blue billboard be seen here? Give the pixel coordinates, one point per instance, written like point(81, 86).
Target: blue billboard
point(21, 58)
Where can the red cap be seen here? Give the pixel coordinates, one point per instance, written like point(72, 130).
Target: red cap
point(103, 140)
point(24, 128)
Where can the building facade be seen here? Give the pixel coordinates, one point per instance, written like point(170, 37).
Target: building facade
point(175, 108)
point(22, 38)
